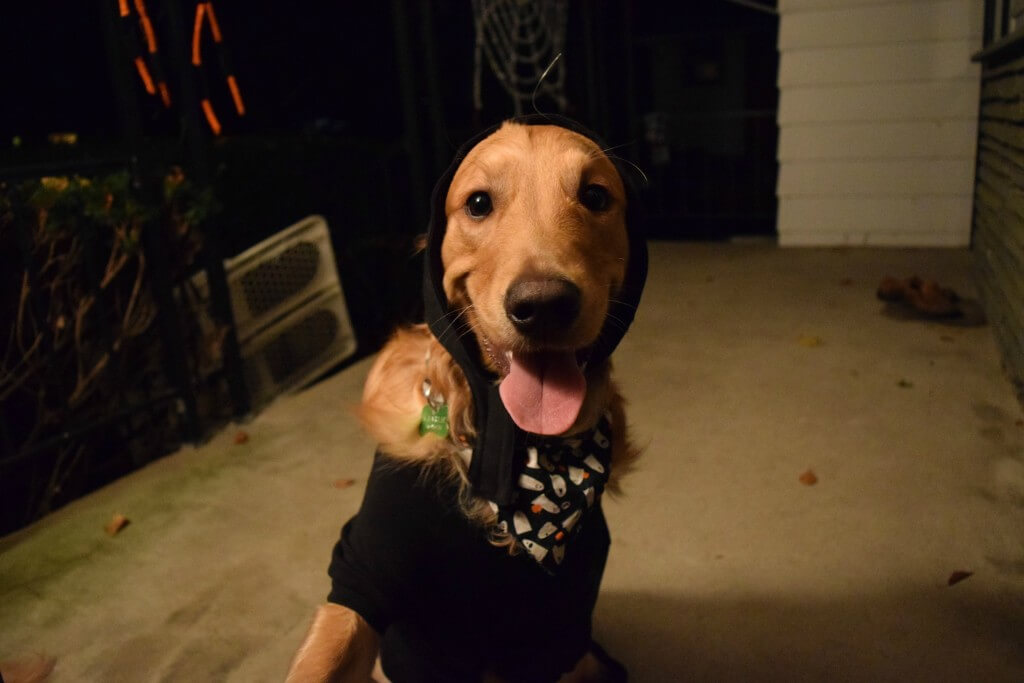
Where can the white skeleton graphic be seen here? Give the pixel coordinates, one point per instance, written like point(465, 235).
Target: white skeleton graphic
point(531, 458)
point(528, 482)
point(537, 550)
point(521, 523)
point(558, 483)
point(545, 503)
point(571, 520)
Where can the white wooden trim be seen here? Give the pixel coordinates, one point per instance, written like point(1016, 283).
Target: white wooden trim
point(876, 178)
point(949, 139)
point(793, 6)
point(878, 115)
point(945, 215)
point(956, 99)
point(874, 238)
point(909, 62)
point(881, 24)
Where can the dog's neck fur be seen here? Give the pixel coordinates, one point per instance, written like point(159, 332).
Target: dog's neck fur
point(393, 401)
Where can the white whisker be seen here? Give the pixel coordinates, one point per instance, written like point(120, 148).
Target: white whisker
point(635, 167)
point(457, 313)
point(622, 303)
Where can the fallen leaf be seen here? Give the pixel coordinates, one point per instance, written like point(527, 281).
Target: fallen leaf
point(809, 478)
point(958, 576)
point(343, 483)
point(36, 667)
point(947, 338)
point(810, 341)
point(241, 436)
point(1019, 423)
point(846, 281)
point(904, 384)
point(116, 523)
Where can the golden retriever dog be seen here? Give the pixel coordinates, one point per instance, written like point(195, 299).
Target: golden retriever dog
point(463, 564)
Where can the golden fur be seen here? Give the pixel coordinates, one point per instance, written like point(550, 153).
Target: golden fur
point(538, 225)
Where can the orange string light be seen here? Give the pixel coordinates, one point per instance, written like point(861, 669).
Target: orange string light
point(147, 80)
point(165, 94)
point(140, 7)
point(197, 33)
point(236, 95)
point(214, 26)
point(147, 26)
point(211, 118)
point(123, 6)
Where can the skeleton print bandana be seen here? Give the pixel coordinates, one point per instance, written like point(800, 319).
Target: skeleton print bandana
point(560, 481)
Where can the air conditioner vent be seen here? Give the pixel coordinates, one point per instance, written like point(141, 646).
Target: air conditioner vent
point(280, 273)
point(272, 282)
point(301, 343)
point(290, 314)
point(296, 349)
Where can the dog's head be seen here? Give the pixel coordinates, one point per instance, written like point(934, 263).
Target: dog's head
point(534, 254)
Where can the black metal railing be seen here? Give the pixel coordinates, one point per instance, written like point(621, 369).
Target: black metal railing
point(96, 369)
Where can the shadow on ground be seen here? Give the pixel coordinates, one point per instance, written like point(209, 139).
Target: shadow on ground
point(946, 634)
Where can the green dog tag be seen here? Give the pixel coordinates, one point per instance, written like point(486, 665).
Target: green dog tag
point(434, 420)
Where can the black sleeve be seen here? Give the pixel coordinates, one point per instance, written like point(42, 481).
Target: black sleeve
point(387, 545)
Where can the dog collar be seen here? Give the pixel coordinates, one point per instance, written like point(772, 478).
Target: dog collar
point(492, 467)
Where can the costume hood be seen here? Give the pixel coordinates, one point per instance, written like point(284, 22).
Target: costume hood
point(492, 470)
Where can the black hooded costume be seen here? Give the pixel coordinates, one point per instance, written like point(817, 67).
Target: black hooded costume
point(448, 604)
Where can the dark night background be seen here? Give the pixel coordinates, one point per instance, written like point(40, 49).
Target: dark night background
point(353, 109)
point(323, 86)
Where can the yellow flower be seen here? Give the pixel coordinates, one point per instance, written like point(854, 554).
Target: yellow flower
point(58, 184)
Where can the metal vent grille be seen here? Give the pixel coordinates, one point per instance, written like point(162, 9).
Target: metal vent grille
point(300, 344)
point(296, 349)
point(274, 281)
point(279, 274)
point(290, 313)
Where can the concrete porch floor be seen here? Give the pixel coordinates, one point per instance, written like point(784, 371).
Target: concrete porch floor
point(724, 567)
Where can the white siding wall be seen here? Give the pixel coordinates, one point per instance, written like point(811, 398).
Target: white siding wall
point(877, 121)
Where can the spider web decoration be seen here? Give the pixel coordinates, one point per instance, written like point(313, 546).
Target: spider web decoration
point(521, 39)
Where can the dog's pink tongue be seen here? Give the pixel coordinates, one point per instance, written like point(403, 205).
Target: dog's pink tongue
point(543, 392)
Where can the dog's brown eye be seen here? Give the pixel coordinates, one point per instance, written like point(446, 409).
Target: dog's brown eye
point(594, 197)
point(479, 204)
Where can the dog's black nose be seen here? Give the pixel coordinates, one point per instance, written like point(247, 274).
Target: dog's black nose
point(542, 306)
